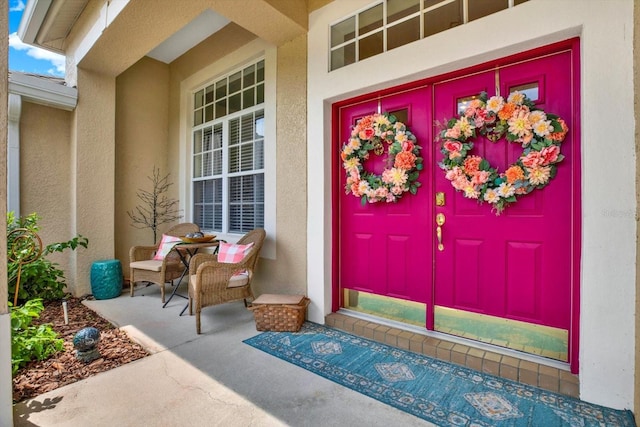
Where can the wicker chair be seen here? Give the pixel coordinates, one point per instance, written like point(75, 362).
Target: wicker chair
point(212, 282)
point(144, 268)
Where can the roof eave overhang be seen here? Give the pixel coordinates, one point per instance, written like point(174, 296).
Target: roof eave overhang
point(42, 91)
point(33, 17)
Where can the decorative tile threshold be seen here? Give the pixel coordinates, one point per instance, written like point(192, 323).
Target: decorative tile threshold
point(513, 366)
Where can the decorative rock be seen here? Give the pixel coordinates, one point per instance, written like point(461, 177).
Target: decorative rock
point(86, 342)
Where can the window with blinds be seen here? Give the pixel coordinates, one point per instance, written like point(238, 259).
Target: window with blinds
point(228, 152)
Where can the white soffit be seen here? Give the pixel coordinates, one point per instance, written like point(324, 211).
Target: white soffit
point(207, 23)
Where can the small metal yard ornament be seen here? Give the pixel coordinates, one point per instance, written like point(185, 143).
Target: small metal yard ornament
point(25, 247)
point(86, 343)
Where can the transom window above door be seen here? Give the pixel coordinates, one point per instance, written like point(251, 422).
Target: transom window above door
point(389, 24)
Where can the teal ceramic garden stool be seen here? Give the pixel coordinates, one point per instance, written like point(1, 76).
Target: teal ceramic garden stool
point(106, 279)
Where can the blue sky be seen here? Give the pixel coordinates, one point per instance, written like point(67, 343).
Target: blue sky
point(27, 58)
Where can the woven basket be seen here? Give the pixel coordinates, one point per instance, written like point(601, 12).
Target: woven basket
point(277, 313)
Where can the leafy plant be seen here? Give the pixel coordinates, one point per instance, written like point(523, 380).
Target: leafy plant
point(40, 278)
point(28, 341)
point(156, 208)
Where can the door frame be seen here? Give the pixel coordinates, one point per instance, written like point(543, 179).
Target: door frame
point(576, 207)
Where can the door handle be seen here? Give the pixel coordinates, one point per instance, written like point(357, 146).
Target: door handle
point(440, 222)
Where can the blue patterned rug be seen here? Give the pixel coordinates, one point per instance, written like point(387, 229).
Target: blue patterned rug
point(436, 391)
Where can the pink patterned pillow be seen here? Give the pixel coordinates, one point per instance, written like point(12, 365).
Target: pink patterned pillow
point(233, 253)
point(166, 244)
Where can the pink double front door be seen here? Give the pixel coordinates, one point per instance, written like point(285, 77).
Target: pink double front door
point(522, 265)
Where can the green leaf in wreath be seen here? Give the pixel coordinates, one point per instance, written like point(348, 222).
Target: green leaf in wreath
point(363, 200)
point(484, 165)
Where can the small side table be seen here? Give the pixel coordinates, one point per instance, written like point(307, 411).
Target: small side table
point(106, 279)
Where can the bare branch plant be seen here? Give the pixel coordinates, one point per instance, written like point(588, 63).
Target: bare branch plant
point(155, 208)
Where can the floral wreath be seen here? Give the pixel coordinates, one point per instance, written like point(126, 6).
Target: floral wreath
point(376, 132)
point(517, 119)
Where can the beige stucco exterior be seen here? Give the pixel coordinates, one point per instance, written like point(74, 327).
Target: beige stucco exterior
point(133, 114)
point(45, 190)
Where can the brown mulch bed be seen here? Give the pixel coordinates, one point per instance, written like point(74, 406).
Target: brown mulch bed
point(63, 367)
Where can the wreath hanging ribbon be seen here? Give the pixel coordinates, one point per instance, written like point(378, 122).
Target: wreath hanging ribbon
point(380, 132)
point(518, 121)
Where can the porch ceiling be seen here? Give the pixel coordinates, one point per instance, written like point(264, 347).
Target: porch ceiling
point(162, 29)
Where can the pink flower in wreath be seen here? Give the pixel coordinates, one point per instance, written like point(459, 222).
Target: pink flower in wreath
point(481, 117)
point(460, 183)
point(480, 178)
point(453, 133)
point(408, 146)
point(452, 145)
point(532, 159)
point(381, 193)
point(366, 133)
point(550, 154)
point(453, 173)
point(355, 189)
point(397, 190)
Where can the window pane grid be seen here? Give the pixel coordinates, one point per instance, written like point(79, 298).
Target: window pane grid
point(240, 90)
point(228, 152)
point(354, 38)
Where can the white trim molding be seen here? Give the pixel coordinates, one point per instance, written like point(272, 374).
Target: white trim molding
point(43, 90)
point(13, 153)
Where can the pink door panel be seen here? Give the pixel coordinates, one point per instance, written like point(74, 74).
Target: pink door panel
point(518, 265)
point(385, 248)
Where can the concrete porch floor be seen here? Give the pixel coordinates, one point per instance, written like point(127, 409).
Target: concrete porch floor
point(212, 379)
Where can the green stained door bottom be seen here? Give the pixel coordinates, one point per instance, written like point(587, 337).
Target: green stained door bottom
point(535, 339)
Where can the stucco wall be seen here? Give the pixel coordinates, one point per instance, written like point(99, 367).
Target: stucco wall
point(287, 272)
point(45, 173)
point(608, 269)
point(283, 269)
point(142, 114)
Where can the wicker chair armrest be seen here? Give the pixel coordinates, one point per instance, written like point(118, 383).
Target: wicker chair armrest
point(214, 277)
point(141, 253)
point(198, 259)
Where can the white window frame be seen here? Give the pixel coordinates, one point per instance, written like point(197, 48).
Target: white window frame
point(386, 25)
point(238, 59)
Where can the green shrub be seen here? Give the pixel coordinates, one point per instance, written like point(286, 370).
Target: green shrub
point(40, 278)
point(28, 341)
